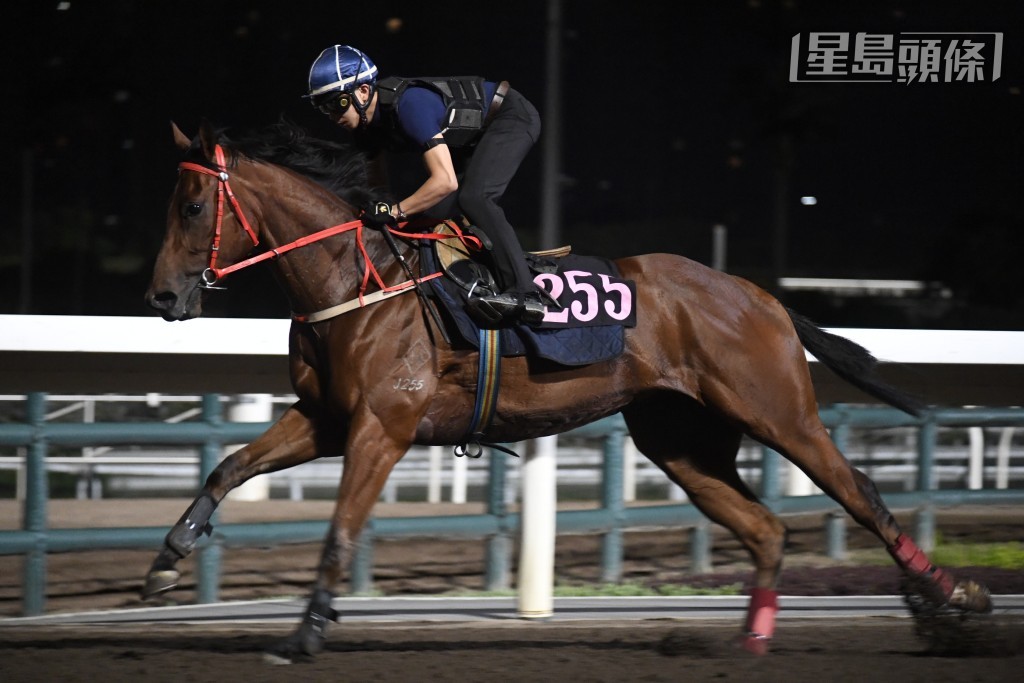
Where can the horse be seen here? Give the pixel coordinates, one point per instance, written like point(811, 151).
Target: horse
point(712, 357)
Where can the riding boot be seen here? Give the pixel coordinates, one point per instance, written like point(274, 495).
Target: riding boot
point(534, 309)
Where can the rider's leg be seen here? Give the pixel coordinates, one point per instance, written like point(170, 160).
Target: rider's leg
point(492, 166)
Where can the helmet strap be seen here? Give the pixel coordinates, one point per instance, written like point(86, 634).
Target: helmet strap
point(361, 108)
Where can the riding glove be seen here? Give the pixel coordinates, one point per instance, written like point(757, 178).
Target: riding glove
point(378, 215)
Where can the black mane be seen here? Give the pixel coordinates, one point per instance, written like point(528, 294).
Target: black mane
point(338, 167)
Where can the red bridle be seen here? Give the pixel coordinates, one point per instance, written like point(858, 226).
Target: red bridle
point(212, 273)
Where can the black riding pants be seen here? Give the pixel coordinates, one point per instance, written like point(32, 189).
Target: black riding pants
point(488, 171)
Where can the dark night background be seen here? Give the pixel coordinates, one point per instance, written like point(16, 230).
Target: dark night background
point(677, 117)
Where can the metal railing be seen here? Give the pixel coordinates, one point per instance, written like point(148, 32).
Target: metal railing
point(497, 525)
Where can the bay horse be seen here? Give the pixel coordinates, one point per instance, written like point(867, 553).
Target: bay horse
point(711, 358)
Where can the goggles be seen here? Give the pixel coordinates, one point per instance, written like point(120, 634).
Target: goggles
point(334, 104)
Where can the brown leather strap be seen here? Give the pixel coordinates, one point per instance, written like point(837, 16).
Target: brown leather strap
point(499, 98)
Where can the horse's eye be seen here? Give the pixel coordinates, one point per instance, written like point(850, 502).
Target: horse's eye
point(192, 210)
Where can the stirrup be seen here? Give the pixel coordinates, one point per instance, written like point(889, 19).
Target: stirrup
point(483, 314)
point(490, 310)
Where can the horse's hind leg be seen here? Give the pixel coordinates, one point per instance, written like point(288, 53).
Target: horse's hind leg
point(292, 440)
point(814, 452)
point(777, 406)
point(703, 463)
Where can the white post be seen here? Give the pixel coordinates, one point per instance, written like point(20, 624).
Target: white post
point(87, 484)
point(88, 417)
point(460, 473)
point(537, 546)
point(250, 408)
point(797, 483)
point(434, 474)
point(629, 457)
point(975, 458)
point(1003, 458)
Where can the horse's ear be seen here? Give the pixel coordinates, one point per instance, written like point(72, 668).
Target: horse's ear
point(208, 139)
point(180, 139)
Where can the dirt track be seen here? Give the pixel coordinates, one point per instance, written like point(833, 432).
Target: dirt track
point(661, 650)
point(879, 649)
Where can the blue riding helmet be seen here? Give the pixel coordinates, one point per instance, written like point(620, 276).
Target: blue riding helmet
point(340, 69)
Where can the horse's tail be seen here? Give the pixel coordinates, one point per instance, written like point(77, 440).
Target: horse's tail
point(852, 362)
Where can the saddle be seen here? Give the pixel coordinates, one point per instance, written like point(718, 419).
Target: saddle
point(590, 303)
point(458, 263)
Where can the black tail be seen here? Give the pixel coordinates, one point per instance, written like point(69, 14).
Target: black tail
point(852, 362)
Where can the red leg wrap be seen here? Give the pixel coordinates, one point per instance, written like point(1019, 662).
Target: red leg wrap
point(764, 605)
point(909, 556)
point(913, 560)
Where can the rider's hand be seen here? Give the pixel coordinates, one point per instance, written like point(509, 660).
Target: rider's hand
point(378, 215)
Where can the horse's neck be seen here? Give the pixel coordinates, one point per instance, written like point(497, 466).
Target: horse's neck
point(330, 271)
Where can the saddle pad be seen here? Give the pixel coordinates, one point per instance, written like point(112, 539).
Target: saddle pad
point(571, 346)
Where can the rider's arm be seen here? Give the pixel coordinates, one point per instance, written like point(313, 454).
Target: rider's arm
point(440, 182)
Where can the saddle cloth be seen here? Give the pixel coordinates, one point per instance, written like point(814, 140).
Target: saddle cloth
point(584, 336)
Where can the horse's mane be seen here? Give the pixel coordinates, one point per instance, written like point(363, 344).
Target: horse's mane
point(336, 166)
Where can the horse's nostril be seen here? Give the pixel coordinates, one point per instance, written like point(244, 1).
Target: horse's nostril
point(162, 300)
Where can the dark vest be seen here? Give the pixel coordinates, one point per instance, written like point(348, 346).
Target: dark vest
point(463, 98)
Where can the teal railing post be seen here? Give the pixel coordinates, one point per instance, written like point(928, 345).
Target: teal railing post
point(841, 433)
point(208, 560)
point(770, 461)
point(36, 497)
point(835, 534)
point(361, 566)
point(835, 522)
point(700, 547)
point(499, 546)
point(612, 500)
point(927, 436)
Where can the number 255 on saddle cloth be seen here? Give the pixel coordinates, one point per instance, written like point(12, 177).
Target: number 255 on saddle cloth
point(596, 305)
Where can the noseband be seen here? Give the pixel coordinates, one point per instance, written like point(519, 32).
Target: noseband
point(212, 273)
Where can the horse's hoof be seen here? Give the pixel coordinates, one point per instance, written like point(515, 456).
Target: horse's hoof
point(754, 643)
point(303, 644)
point(278, 657)
point(970, 596)
point(160, 581)
point(284, 652)
point(312, 642)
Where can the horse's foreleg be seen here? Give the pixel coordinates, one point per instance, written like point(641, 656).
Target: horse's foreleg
point(369, 458)
point(290, 441)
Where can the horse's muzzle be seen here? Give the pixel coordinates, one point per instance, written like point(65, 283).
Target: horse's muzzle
point(171, 306)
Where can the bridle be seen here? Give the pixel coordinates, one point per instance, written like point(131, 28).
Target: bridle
point(212, 273)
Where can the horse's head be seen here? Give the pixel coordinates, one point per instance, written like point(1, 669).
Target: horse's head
point(205, 227)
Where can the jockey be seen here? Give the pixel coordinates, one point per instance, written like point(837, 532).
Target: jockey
point(494, 125)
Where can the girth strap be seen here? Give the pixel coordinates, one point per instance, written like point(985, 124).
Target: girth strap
point(488, 382)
